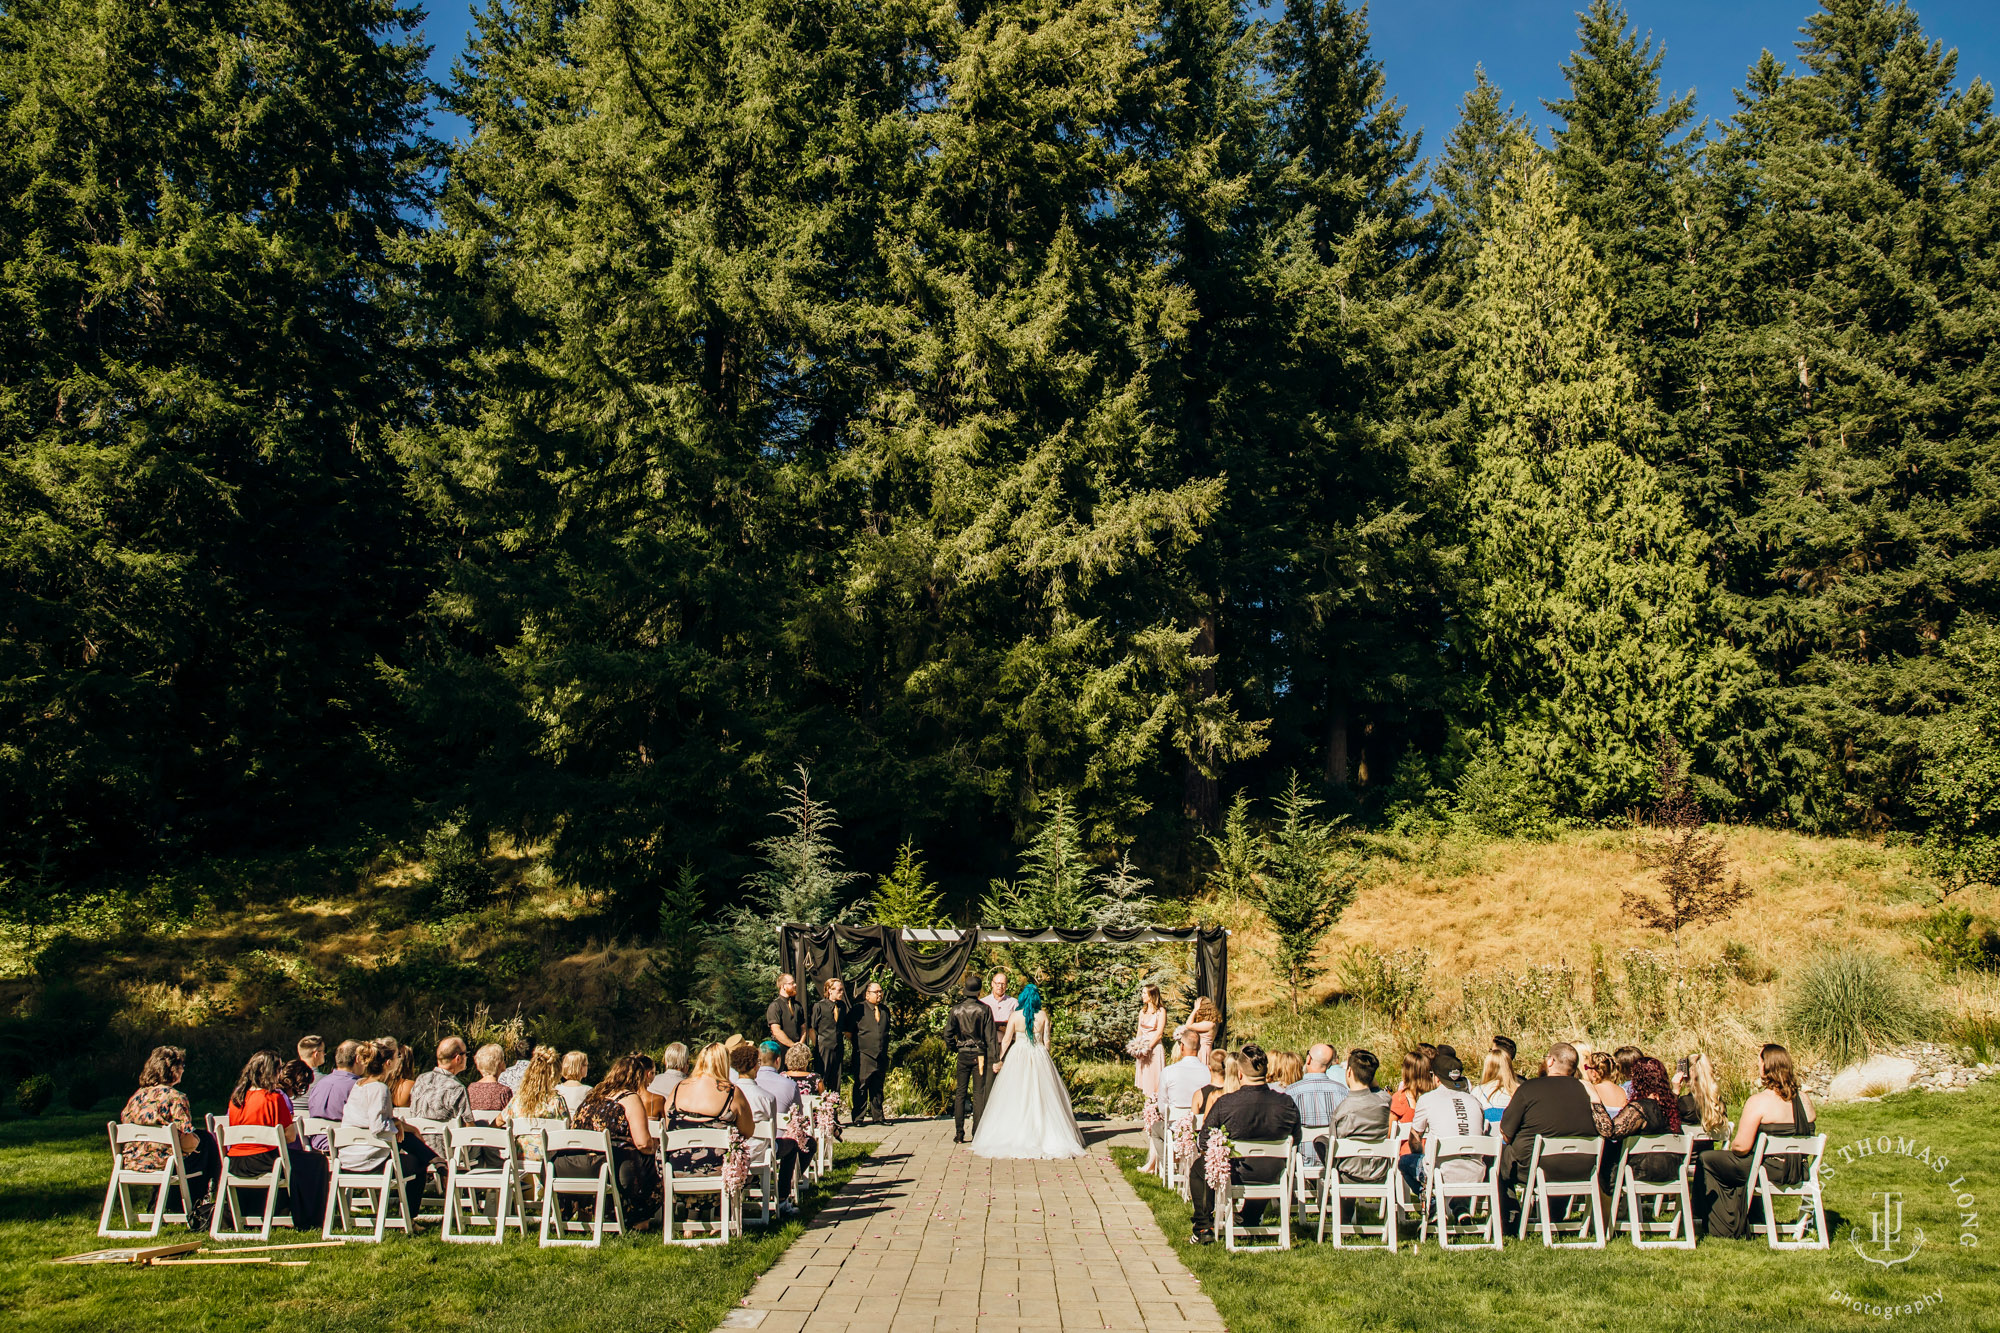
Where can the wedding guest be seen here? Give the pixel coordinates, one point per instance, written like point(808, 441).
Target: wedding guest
point(673, 1068)
point(707, 1099)
point(295, 1080)
point(159, 1103)
point(1252, 1113)
point(1497, 1084)
point(400, 1072)
point(784, 1095)
point(1450, 1070)
point(1180, 1085)
point(312, 1053)
point(370, 1106)
point(1202, 1022)
point(1506, 1046)
point(1218, 1074)
point(1651, 1111)
point(1555, 1106)
point(538, 1097)
point(614, 1107)
point(1286, 1069)
point(576, 1068)
point(1780, 1108)
point(786, 1016)
point(520, 1049)
point(799, 1069)
point(1363, 1116)
point(743, 1073)
point(649, 1070)
point(330, 1092)
point(438, 1095)
point(488, 1096)
point(871, 1051)
point(1448, 1111)
point(1317, 1093)
point(998, 1002)
point(1147, 1047)
point(1700, 1098)
point(1625, 1057)
point(257, 1100)
point(832, 1016)
point(1600, 1076)
point(1403, 1103)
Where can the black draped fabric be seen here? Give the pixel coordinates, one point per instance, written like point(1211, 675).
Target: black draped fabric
point(814, 953)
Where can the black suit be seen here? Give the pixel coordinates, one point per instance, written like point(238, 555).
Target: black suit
point(1251, 1114)
point(871, 1045)
point(830, 1022)
point(972, 1034)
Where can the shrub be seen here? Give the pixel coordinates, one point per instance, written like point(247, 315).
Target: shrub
point(1395, 985)
point(455, 872)
point(1743, 963)
point(1497, 798)
point(84, 1091)
point(1540, 999)
point(1844, 1003)
point(34, 1094)
point(929, 1069)
point(1960, 941)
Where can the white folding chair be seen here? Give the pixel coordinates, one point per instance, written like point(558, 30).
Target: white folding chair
point(1176, 1177)
point(1486, 1227)
point(229, 1186)
point(470, 1180)
point(601, 1188)
point(436, 1135)
point(374, 1193)
point(1543, 1192)
point(1635, 1194)
point(764, 1166)
point(1812, 1208)
point(315, 1127)
point(1306, 1174)
point(822, 1161)
point(675, 1184)
point(530, 1136)
point(124, 1181)
point(1334, 1190)
point(1278, 1191)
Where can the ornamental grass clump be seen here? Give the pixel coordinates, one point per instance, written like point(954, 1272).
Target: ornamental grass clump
point(1844, 1003)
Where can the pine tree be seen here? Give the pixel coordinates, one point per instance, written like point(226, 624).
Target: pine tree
point(1240, 853)
point(1957, 792)
point(904, 897)
point(205, 555)
point(1468, 171)
point(1595, 614)
point(1306, 885)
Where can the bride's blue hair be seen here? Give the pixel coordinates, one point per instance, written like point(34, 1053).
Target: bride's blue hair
point(1031, 1004)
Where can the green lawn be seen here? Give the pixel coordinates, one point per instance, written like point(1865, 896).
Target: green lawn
point(1722, 1286)
point(52, 1174)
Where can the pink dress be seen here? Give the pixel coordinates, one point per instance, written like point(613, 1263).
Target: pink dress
point(1147, 1069)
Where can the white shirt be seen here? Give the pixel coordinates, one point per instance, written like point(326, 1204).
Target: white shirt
point(369, 1106)
point(1182, 1079)
point(1003, 1007)
point(1443, 1111)
point(573, 1091)
point(763, 1106)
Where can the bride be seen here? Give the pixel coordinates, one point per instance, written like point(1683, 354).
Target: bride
point(1027, 1112)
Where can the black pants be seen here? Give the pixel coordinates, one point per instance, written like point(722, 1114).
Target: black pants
point(1244, 1171)
point(868, 1087)
point(968, 1093)
point(788, 1166)
point(828, 1057)
point(307, 1194)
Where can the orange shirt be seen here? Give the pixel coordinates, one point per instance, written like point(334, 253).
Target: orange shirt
point(259, 1108)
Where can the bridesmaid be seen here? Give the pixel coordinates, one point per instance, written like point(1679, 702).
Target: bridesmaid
point(1148, 1055)
point(1202, 1023)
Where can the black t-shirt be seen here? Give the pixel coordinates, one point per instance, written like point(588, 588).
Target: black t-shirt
point(788, 1015)
point(1554, 1105)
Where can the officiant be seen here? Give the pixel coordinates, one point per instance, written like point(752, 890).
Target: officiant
point(871, 1050)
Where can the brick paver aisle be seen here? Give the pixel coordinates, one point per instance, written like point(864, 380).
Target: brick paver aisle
point(928, 1237)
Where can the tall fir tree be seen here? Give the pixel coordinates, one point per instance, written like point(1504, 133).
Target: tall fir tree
point(1595, 614)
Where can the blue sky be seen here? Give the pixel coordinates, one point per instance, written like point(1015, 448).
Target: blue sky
point(1429, 47)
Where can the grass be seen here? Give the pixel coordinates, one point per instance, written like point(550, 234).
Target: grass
point(1845, 1003)
point(52, 1174)
point(1720, 1287)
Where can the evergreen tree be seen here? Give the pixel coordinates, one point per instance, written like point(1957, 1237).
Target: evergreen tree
point(1306, 885)
point(204, 552)
point(1853, 374)
point(1594, 611)
point(1958, 788)
point(1468, 170)
point(904, 897)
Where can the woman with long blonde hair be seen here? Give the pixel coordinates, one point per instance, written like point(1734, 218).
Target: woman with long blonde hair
point(1202, 1022)
point(1700, 1098)
point(538, 1098)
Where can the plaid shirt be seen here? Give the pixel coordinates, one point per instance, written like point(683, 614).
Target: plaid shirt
point(1317, 1096)
point(437, 1095)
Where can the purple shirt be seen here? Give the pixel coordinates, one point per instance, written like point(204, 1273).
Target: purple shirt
point(327, 1100)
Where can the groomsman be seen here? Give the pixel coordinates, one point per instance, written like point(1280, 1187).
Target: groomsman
point(976, 1042)
point(832, 1018)
point(871, 1045)
point(786, 1016)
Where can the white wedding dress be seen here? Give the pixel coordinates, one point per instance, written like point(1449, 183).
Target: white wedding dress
point(1028, 1112)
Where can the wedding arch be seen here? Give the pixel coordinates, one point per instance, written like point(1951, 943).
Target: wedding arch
point(814, 953)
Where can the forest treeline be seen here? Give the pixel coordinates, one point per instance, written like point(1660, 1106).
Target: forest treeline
point(977, 403)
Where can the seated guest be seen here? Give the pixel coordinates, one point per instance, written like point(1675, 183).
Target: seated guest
point(330, 1091)
point(648, 1070)
point(1555, 1106)
point(1779, 1107)
point(295, 1080)
point(256, 1100)
point(1403, 1102)
point(1181, 1082)
point(159, 1102)
point(1497, 1084)
point(1252, 1113)
point(1218, 1076)
point(1449, 1070)
point(1600, 1075)
point(1317, 1093)
point(1505, 1045)
point(708, 1098)
point(743, 1073)
point(438, 1095)
point(370, 1106)
point(673, 1068)
point(401, 1071)
point(1699, 1099)
point(614, 1107)
point(1441, 1109)
point(538, 1098)
point(312, 1053)
point(1286, 1069)
point(1362, 1115)
point(575, 1069)
point(784, 1095)
point(1625, 1057)
point(799, 1068)
point(487, 1095)
point(518, 1051)
point(1650, 1112)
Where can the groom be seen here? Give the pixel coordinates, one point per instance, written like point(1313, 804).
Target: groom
point(973, 1037)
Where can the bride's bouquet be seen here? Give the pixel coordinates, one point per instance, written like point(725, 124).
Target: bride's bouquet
point(1216, 1159)
point(1138, 1048)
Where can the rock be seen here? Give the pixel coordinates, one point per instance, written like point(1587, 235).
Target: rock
point(1871, 1078)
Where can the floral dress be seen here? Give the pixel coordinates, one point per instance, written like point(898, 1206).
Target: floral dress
point(156, 1106)
point(699, 1161)
point(638, 1175)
